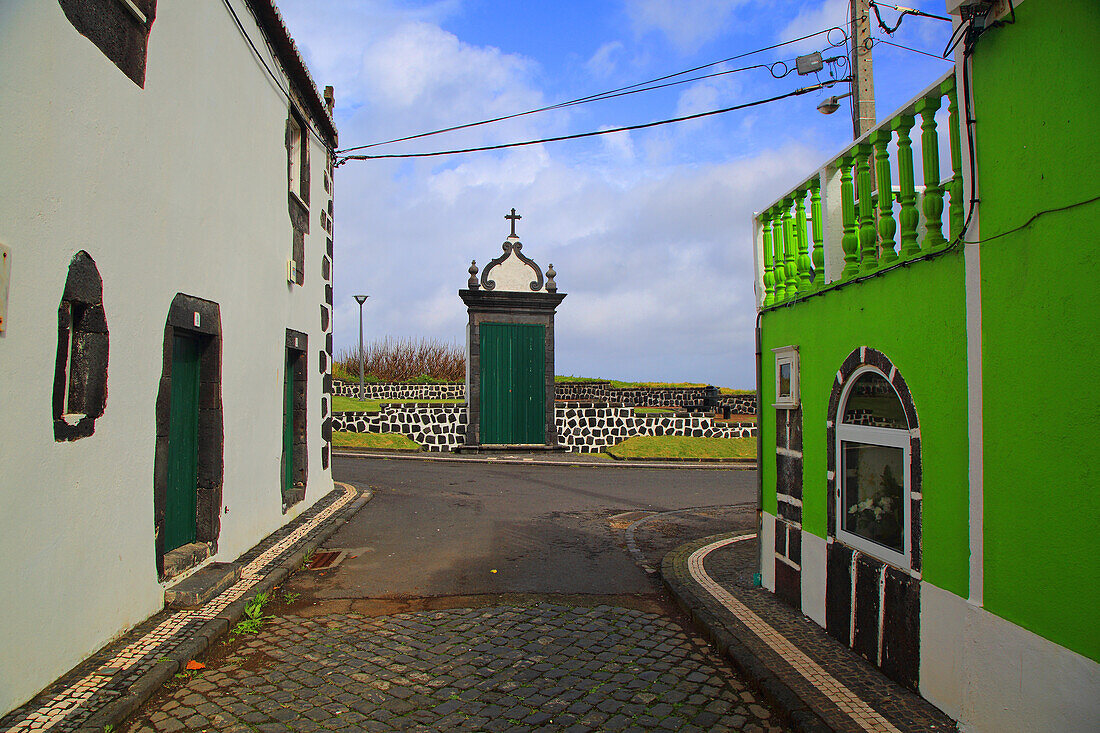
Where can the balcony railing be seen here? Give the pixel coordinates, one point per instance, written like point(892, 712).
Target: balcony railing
point(857, 220)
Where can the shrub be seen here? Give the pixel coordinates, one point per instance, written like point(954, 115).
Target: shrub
point(403, 360)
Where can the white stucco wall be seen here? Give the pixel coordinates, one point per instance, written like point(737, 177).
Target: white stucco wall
point(177, 187)
point(996, 677)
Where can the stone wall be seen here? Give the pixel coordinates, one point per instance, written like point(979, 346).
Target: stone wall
point(583, 390)
point(401, 390)
point(587, 428)
point(739, 404)
point(435, 427)
point(593, 427)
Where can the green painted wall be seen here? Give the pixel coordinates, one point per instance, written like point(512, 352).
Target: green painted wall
point(1038, 142)
point(915, 316)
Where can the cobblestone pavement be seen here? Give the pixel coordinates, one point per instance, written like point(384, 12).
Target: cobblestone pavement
point(545, 667)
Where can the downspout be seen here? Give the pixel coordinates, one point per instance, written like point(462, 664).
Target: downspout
point(759, 458)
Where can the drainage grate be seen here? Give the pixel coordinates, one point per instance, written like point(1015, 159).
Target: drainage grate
point(326, 560)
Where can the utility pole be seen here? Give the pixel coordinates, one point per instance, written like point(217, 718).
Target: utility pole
point(863, 81)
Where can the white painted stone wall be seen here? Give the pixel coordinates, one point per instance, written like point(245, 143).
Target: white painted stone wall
point(177, 187)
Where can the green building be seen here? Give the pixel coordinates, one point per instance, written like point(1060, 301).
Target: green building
point(928, 381)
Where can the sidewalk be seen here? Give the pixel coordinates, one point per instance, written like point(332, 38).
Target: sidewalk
point(114, 682)
point(547, 458)
point(822, 685)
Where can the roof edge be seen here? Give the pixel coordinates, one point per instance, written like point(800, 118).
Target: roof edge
point(271, 24)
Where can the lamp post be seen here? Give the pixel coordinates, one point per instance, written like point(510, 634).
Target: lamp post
point(361, 299)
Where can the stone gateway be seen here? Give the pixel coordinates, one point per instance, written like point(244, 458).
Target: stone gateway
point(510, 350)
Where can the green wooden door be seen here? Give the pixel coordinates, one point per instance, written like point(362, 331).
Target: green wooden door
point(183, 444)
point(513, 383)
point(288, 423)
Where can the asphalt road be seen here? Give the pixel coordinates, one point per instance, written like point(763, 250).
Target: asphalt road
point(451, 529)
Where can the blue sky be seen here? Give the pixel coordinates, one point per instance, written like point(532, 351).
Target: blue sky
point(649, 231)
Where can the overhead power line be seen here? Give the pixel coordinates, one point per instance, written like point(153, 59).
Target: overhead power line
point(908, 48)
point(641, 86)
point(755, 103)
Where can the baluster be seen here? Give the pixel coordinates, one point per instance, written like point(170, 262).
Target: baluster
point(867, 258)
point(886, 226)
point(933, 193)
point(805, 274)
point(909, 215)
point(955, 212)
point(850, 241)
point(815, 221)
point(779, 268)
point(791, 281)
point(769, 266)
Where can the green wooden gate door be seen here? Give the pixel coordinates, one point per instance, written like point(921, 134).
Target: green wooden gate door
point(288, 423)
point(183, 444)
point(513, 383)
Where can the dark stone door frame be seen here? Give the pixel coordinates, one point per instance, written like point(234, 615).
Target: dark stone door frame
point(487, 306)
point(201, 319)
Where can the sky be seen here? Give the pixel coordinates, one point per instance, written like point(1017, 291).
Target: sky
point(650, 231)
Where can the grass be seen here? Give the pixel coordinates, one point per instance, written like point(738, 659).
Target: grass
point(645, 446)
point(664, 385)
point(654, 411)
point(350, 404)
point(375, 441)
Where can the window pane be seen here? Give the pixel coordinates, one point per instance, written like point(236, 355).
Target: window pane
point(785, 379)
point(873, 401)
point(873, 493)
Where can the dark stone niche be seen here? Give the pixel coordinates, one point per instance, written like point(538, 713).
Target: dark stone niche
point(80, 368)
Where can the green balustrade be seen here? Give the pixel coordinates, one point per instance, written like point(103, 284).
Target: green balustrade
point(815, 221)
point(955, 212)
point(769, 266)
point(791, 281)
point(933, 193)
point(874, 233)
point(909, 216)
point(850, 241)
point(867, 259)
point(886, 226)
point(805, 274)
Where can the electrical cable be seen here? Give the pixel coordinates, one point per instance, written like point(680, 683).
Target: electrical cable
point(1032, 218)
point(904, 11)
point(621, 90)
point(797, 92)
point(908, 48)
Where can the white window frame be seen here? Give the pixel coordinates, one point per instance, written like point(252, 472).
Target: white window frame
point(786, 355)
point(886, 437)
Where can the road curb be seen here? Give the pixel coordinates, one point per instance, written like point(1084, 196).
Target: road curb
point(615, 463)
point(705, 610)
point(117, 711)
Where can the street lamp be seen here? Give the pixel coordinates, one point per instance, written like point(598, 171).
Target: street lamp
point(831, 104)
point(361, 299)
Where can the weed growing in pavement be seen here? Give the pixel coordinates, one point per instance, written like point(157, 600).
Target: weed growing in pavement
point(308, 558)
point(290, 597)
point(253, 615)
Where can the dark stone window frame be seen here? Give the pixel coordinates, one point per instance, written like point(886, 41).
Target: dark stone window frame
point(116, 30)
point(211, 447)
point(83, 341)
point(883, 624)
point(298, 201)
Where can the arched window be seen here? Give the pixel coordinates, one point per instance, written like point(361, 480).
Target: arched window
point(874, 455)
point(80, 370)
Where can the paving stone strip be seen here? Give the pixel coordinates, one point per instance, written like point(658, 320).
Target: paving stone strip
point(821, 686)
point(539, 667)
point(119, 678)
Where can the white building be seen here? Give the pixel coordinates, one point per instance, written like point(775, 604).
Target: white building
point(159, 283)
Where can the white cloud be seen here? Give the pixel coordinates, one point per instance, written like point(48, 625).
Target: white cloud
point(688, 23)
point(652, 245)
point(604, 62)
point(812, 18)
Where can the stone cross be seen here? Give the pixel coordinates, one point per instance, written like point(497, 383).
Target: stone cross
point(512, 217)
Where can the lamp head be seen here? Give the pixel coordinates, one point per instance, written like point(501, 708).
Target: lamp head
point(361, 298)
point(828, 105)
